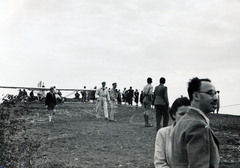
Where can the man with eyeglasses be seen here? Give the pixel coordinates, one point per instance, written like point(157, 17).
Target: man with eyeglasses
point(193, 141)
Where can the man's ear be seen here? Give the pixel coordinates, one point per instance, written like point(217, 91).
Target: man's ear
point(195, 96)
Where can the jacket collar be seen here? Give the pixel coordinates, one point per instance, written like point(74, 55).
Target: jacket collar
point(201, 113)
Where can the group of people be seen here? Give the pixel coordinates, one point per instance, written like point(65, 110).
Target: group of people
point(86, 95)
point(103, 98)
point(189, 141)
point(159, 98)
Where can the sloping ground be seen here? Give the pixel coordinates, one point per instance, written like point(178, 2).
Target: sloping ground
point(76, 139)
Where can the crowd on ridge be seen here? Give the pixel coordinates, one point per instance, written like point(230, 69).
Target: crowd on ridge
point(188, 142)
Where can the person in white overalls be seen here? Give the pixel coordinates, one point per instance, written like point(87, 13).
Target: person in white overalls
point(103, 98)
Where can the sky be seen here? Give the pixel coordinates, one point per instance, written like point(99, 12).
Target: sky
point(71, 44)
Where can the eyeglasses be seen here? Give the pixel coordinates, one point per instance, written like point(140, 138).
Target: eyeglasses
point(212, 93)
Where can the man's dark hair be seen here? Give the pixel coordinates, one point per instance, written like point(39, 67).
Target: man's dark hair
point(162, 80)
point(149, 80)
point(194, 86)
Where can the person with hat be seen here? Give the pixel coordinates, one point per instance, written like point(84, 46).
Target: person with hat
point(51, 102)
point(103, 98)
point(113, 101)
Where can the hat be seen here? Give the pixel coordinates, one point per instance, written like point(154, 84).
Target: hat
point(103, 82)
point(114, 83)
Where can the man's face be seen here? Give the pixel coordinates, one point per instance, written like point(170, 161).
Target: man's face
point(103, 84)
point(51, 90)
point(208, 98)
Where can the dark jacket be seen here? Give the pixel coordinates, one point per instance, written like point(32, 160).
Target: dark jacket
point(161, 95)
point(50, 99)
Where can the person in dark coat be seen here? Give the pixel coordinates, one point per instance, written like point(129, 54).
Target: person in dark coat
point(51, 102)
point(130, 95)
point(136, 97)
point(141, 98)
point(161, 103)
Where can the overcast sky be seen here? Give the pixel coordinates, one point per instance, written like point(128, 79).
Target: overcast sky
point(76, 43)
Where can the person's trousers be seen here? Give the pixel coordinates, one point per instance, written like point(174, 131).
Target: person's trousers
point(113, 109)
point(161, 111)
point(102, 101)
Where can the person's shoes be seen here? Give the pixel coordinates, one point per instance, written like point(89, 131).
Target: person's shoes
point(148, 125)
point(106, 118)
point(113, 120)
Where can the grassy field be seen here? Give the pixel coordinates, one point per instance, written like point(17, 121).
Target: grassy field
point(76, 139)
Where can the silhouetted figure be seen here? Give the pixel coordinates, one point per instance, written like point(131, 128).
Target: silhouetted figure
point(77, 95)
point(51, 102)
point(141, 98)
point(130, 95)
point(161, 103)
point(147, 100)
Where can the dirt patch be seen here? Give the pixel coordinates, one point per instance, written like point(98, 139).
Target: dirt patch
point(76, 139)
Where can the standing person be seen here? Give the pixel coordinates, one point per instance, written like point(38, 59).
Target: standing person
point(147, 100)
point(84, 94)
point(119, 100)
point(113, 101)
point(94, 94)
point(141, 98)
point(77, 95)
point(103, 97)
point(124, 95)
point(161, 103)
point(163, 138)
point(193, 142)
point(130, 95)
point(136, 97)
point(51, 102)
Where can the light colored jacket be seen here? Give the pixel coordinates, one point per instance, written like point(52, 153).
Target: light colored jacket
point(193, 142)
point(102, 93)
point(163, 148)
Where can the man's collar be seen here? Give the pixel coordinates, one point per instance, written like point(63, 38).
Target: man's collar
point(201, 113)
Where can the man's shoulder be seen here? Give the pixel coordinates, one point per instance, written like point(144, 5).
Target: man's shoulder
point(190, 120)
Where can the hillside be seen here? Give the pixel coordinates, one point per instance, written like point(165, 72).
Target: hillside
point(76, 139)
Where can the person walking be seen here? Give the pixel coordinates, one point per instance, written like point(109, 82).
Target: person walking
point(147, 100)
point(193, 141)
point(103, 98)
point(113, 101)
point(161, 103)
point(51, 102)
